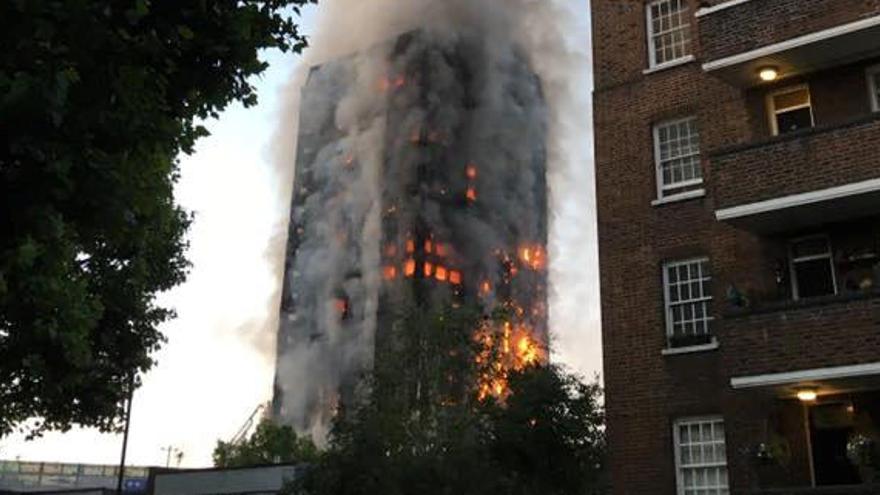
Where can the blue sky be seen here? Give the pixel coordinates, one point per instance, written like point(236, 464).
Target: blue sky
point(218, 365)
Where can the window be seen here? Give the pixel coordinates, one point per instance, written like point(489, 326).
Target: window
point(688, 293)
point(677, 156)
point(874, 87)
point(700, 456)
point(669, 37)
point(812, 268)
point(790, 110)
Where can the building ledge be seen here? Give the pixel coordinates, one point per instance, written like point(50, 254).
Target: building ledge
point(676, 198)
point(668, 65)
point(674, 351)
point(808, 375)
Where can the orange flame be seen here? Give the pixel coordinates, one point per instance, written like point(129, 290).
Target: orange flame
point(534, 257)
point(455, 277)
point(471, 194)
point(429, 269)
point(485, 287)
point(409, 267)
point(391, 250)
point(410, 246)
point(441, 273)
point(440, 250)
point(471, 171)
point(341, 305)
point(429, 246)
point(389, 272)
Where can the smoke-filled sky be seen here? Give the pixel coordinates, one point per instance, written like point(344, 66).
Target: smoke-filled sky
point(218, 363)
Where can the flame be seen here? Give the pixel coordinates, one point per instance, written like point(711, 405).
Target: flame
point(471, 194)
point(389, 272)
point(455, 277)
point(440, 250)
point(514, 349)
point(409, 267)
point(441, 273)
point(534, 257)
point(471, 171)
point(485, 287)
point(391, 250)
point(341, 305)
point(410, 246)
point(429, 246)
point(429, 269)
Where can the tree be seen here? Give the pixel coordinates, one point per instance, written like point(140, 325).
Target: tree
point(545, 437)
point(97, 99)
point(269, 444)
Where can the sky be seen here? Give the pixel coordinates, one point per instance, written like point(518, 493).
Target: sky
point(218, 363)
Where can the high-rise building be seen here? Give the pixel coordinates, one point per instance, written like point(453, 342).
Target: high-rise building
point(420, 182)
point(738, 191)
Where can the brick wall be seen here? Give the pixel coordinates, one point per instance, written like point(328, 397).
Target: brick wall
point(758, 23)
point(645, 390)
point(802, 336)
point(835, 156)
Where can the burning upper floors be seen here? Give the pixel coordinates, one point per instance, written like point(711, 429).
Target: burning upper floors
point(421, 181)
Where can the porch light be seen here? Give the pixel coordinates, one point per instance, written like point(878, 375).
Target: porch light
point(806, 395)
point(768, 73)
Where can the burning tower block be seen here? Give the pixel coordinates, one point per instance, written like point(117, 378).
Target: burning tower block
point(420, 180)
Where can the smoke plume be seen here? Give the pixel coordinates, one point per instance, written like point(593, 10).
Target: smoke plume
point(543, 33)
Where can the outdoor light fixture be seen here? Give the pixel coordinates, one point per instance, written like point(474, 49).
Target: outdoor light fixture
point(806, 395)
point(768, 73)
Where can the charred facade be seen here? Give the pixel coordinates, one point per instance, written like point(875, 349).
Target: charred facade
point(421, 182)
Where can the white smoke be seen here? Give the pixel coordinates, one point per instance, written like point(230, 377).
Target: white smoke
point(556, 49)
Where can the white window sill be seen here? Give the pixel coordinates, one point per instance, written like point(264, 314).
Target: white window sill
point(668, 65)
point(694, 194)
point(672, 351)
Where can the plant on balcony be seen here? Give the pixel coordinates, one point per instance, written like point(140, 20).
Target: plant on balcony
point(771, 459)
point(736, 298)
point(861, 450)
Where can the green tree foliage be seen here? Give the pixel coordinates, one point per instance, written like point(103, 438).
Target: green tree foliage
point(97, 99)
point(269, 444)
point(421, 430)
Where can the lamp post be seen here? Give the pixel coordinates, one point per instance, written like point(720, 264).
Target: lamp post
point(125, 434)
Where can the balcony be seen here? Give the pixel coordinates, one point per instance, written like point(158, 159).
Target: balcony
point(820, 333)
point(801, 179)
point(738, 37)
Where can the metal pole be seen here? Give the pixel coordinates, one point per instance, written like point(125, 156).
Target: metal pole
point(125, 435)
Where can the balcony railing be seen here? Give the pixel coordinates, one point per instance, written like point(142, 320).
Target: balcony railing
point(812, 333)
point(754, 24)
point(748, 178)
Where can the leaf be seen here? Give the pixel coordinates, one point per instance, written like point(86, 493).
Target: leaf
point(185, 32)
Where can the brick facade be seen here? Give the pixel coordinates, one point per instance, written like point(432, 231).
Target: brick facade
point(647, 390)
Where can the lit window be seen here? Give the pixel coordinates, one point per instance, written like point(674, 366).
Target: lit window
point(677, 156)
point(669, 37)
point(874, 87)
point(812, 268)
point(688, 293)
point(701, 456)
point(790, 110)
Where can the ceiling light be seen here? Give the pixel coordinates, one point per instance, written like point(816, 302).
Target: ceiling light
point(806, 395)
point(768, 73)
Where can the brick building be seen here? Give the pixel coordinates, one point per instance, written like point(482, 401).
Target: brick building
point(738, 192)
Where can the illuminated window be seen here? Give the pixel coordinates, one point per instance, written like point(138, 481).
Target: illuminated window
point(677, 156)
point(790, 110)
point(701, 456)
point(669, 37)
point(688, 293)
point(874, 87)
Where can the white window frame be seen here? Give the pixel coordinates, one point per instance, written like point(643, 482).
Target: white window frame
point(667, 300)
point(795, 290)
point(772, 111)
point(873, 76)
point(649, 30)
point(676, 440)
point(658, 162)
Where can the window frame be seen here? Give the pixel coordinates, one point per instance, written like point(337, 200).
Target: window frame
point(649, 31)
point(676, 442)
point(772, 111)
point(872, 75)
point(667, 300)
point(658, 161)
point(792, 273)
